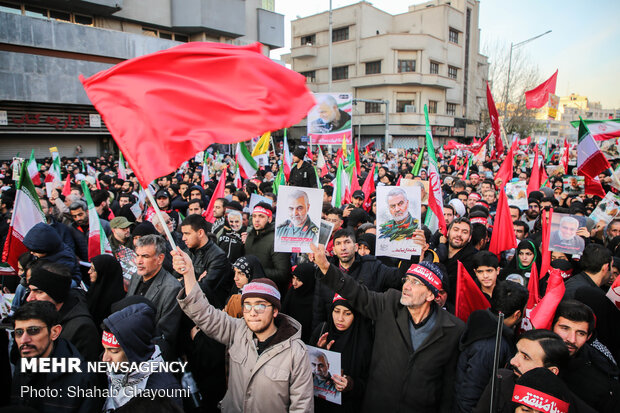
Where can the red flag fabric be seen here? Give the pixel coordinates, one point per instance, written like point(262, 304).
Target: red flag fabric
point(566, 156)
point(358, 164)
point(218, 193)
point(534, 182)
point(369, 188)
point(594, 187)
point(164, 107)
point(355, 181)
point(546, 236)
point(544, 178)
point(505, 170)
point(499, 146)
point(398, 180)
point(66, 189)
point(98, 184)
point(503, 237)
point(614, 293)
point(542, 315)
point(533, 288)
point(469, 297)
point(539, 96)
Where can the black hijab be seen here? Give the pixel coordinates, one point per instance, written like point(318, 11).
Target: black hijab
point(298, 303)
point(107, 289)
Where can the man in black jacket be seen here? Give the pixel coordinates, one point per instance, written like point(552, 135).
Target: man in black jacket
point(595, 264)
point(212, 267)
point(302, 173)
point(366, 270)
point(37, 335)
point(416, 346)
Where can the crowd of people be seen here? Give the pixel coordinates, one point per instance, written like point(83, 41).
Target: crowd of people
point(218, 297)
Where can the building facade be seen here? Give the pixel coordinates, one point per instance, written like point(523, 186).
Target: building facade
point(428, 55)
point(46, 45)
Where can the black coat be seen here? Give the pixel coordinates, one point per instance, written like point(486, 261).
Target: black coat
point(277, 265)
point(465, 255)
point(304, 176)
point(219, 278)
point(78, 326)
point(475, 364)
point(59, 382)
point(402, 379)
point(366, 270)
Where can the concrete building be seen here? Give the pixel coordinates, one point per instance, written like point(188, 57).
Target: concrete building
point(46, 44)
point(428, 55)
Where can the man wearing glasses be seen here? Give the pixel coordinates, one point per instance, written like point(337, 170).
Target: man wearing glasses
point(37, 330)
point(269, 365)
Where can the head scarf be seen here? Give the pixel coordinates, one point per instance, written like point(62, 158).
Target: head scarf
point(107, 289)
point(529, 245)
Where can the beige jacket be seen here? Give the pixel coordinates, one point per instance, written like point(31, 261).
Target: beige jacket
point(279, 380)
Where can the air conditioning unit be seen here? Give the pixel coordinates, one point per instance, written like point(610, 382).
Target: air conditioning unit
point(410, 108)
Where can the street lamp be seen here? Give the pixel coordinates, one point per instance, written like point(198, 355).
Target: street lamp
point(514, 46)
point(329, 64)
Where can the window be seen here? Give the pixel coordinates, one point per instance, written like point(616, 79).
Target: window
point(432, 106)
point(37, 12)
point(309, 40)
point(372, 107)
point(339, 35)
point(434, 68)
point(310, 76)
point(181, 38)
point(405, 106)
point(406, 66)
point(149, 32)
point(451, 109)
point(454, 36)
point(373, 68)
point(81, 19)
point(60, 15)
point(452, 72)
point(340, 73)
point(165, 35)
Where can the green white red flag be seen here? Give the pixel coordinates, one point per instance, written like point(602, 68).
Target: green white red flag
point(341, 184)
point(247, 166)
point(26, 214)
point(33, 170)
point(590, 160)
point(321, 164)
point(435, 197)
point(97, 240)
point(122, 171)
point(204, 176)
point(601, 130)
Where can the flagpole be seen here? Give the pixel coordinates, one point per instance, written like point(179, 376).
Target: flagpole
point(494, 377)
point(161, 218)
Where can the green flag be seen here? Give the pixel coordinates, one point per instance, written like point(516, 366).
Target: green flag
point(418, 163)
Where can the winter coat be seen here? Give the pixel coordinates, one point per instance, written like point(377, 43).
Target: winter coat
point(465, 255)
point(161, 293)
point(278, 380)
point(78, 326)
point(219, 278)
point(366, 270)
point(107, 289)
point(231, 243)
point(277, 265)
point(304, 176)
point(475, 364)
point(45, 239)
point(402, 379)
point(59, 382)
point(577, 281)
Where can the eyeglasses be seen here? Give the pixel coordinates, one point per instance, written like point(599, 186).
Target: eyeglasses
point(411, 280)
point(259, 308)
point(32, 331)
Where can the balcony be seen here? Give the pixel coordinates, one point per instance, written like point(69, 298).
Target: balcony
point(302, 52)
point(408, 79)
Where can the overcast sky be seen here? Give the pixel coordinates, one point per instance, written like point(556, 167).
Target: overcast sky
point(584, 44)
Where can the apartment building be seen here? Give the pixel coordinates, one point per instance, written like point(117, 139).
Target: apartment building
point(46, 44)
point(427, 55)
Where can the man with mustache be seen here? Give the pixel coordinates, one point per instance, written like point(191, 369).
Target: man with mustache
point(299, 224)
point(37, 335)
point(590, 373)
point(402, 224)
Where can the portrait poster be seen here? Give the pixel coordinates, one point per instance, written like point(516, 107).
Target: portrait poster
point(256, 198)
point(325, 364)
point(126, 257)
point(398, 216)
point(417, 182)
point(574, 184)
point(516, 192)
point(607, 209)
point(298, 218)
point(326, 231)
point(564, 236)
point(330, 119)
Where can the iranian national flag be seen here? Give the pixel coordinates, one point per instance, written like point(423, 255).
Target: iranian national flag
point(97, 241)
point(122, 171)
point(204, 177)
point(238, 180)
point(434, 217)
point(26, 214)
point(91, 171)
point(33, 170)
point(590, 160)
point(321, 164)
point(53, 174)
point(601, 130)
point(369, 188)
point(341, 186)
point(247, 166)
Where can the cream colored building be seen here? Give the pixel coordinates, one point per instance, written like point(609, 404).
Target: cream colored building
point(428, 55)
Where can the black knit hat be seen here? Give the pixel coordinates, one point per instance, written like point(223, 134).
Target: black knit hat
point(540, 387)
point(57, 286)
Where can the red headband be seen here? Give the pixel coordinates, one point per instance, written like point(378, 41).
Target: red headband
point(260, 210)
point(475, 195)
point(538, 400)
point(425, 274)
point(478, 220)
point(109, 340)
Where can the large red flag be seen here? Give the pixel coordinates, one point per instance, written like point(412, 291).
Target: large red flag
point(505, 170)
point(469, 297)
point(542, 315)
point(369, 188)
point(539, 96)
point(503, 237)
point(533, 287)
point(534, 183)
point(499, 146)
point(164, 107)
point(594, 187)
point(218, 193)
